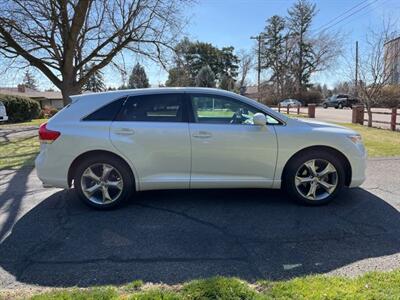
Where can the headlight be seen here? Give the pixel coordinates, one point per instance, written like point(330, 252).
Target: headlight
point(356, 138)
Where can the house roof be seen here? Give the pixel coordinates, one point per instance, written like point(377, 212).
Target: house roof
point(392, 40)
point(31, 93)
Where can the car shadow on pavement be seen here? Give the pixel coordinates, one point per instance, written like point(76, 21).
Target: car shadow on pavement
point(172, 236)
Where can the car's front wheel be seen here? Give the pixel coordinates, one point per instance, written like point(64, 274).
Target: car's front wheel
point(325, 105)
point(103, 182)
point(314, 177)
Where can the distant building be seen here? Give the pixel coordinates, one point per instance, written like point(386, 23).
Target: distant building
point(392, 60)
point(48, 98)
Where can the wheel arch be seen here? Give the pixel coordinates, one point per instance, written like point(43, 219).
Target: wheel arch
point(342, 157)
point(83, 156)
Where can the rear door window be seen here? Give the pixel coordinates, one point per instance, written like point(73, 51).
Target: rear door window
point(154, 108)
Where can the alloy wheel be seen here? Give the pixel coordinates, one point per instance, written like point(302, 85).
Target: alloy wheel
point(102, 183)
point(316, 179)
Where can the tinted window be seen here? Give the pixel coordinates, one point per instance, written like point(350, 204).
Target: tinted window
point(153, 108)
point(107, 112)
point(221, 110)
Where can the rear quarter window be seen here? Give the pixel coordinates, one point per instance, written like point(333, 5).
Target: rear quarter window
point(107, 112)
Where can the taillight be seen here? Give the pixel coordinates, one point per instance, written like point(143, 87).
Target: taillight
point(46, 135)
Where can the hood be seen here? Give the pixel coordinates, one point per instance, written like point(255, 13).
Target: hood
point(329, 127)
point(314, 123)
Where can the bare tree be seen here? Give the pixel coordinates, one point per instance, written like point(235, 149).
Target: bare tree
point(374, 75)
point(245, 65)
point(62, 38)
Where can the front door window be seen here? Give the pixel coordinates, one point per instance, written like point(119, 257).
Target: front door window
point(221, 110)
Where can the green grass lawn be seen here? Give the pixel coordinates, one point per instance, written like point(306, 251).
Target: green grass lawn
point(377, 285)
point(17, 153)
point(34, 122)
point(379, 142)
point(22, 151)
point(215, 113)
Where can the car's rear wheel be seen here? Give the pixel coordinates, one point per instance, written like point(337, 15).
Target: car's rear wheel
point(103, 182)
point(325, 105)
point(314, 177)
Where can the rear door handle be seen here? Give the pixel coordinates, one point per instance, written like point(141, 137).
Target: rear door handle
point(124, 131)
point(202, 135)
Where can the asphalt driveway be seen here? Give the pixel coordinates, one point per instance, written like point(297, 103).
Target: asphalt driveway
point(49, 238)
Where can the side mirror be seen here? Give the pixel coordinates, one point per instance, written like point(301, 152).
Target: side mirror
point(259, 119)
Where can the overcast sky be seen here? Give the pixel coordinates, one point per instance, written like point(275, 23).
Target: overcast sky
point(232, 22)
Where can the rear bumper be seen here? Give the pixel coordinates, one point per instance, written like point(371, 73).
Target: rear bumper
point(51, 169)
point(3, 118)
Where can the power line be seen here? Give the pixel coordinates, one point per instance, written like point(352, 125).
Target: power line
point(348, 16)
point(342, 14)
point(367, 12)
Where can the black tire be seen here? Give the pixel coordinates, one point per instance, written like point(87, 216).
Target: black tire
point(325, 105)
point(296, 163)
point(121, 167)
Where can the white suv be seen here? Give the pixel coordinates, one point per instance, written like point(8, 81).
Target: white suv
point(110, 144)
point(3, 113)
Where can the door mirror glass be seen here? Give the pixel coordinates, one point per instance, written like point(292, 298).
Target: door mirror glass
point(259, 119)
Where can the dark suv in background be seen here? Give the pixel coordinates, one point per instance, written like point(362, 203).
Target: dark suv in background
point(339, 101)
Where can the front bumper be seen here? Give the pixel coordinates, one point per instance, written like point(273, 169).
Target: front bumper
point(358, 162)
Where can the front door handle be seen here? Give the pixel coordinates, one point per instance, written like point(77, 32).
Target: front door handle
point(124, 131)
point(202, 135)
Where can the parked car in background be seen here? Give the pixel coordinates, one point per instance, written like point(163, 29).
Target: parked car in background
point(339, 101)
point(290, 103)
point(108, 145)
point(3, 113)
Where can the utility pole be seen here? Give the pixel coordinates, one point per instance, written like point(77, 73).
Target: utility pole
point(259, 39)
point(356, 75)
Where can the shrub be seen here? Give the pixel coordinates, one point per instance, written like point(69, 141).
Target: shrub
point(48, 112)
point(308, 97)
point(20, 109)
point(390, 96)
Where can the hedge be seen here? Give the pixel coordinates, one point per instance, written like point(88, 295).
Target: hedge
point(19, 108)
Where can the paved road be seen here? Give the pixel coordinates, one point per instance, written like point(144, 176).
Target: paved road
point(49, 238)
point(344, 115)
point(11, 132)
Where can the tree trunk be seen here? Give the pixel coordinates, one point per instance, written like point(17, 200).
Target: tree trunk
point(369, 112)
point(67, 91)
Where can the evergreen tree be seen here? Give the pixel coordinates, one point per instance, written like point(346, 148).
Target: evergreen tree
point(275, 52)
point(29, 80)
point(228, 63)
point(95, 83)
point(191, 57)
point(303, 61)
point(206, 77)
point(227, 83)
point(138, 78)
point(178, 76)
